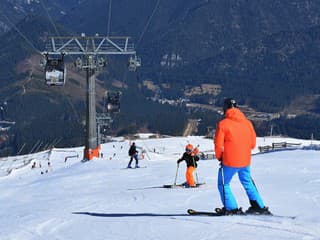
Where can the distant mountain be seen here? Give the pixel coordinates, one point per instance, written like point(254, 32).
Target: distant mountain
point(13, 11)
point(242, 45)
point(209, 26)
point(267, 74)
point(264, 53)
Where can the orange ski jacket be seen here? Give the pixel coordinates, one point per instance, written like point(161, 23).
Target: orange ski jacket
point(234, 139)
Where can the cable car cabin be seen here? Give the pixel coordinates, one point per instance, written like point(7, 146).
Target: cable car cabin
point(55, 70)
point(113, 102)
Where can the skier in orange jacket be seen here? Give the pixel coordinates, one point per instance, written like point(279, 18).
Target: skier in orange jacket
point(234, 139)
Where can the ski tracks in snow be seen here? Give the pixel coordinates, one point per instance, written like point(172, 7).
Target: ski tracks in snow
point(272, 225)
point(289, 227)
point(38, 230)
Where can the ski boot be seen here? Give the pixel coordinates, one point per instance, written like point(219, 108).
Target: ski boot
point(255, 209)
point(224, 211)
point(186, 185)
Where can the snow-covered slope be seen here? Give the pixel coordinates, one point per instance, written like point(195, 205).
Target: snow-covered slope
point(101, 199)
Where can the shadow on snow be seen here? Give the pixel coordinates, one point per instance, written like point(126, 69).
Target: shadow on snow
point(117, 215)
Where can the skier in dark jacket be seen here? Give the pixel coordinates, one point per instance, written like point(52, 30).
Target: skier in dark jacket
point(133, 153)
point(191, 158)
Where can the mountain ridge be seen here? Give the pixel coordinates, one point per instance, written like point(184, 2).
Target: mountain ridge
point(264, 53)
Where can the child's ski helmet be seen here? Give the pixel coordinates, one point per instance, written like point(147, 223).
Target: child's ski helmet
point(189, 147)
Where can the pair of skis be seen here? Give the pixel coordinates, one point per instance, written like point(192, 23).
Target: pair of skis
point(133, 167)
point(193, 212)
point(217, 213)
point(181, 185)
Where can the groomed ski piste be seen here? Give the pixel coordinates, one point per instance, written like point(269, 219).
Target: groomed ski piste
point(99, 199)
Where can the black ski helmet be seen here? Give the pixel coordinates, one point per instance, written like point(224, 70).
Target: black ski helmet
point(229, 103)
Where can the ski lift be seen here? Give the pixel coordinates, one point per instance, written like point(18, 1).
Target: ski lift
point(112, 104)
point(102, 62)
point(133, 63)
point(78, 63)
point(55, 70)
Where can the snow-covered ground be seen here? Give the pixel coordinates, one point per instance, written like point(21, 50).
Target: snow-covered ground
point(101, 199)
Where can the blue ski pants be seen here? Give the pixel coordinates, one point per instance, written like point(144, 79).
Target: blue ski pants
point(224, 178)
point(134, 156)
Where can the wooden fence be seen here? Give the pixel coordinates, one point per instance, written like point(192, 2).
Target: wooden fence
point(278, 146)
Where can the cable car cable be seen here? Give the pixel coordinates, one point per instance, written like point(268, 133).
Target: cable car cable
point(49, 17)
point(21, 34)
point(148, 22)
point(109, 18)
point(53, 24)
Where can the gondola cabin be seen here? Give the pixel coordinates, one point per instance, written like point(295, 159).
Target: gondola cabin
point(55, 70)
point(112, 101)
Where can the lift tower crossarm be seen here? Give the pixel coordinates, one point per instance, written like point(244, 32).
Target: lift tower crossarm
point(91, 46)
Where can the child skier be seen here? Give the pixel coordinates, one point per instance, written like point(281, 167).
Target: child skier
point(191, 157)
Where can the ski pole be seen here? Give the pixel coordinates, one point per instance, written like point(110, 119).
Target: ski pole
point(175, 179)
point(194, 164)
point(197, 176)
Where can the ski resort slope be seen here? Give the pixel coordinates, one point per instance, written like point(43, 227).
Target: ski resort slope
point(101, 200)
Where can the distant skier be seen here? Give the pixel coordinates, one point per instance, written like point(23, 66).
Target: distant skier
point(234, 139)
point(191, 157)
point(133, 153)
point(33, 165)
